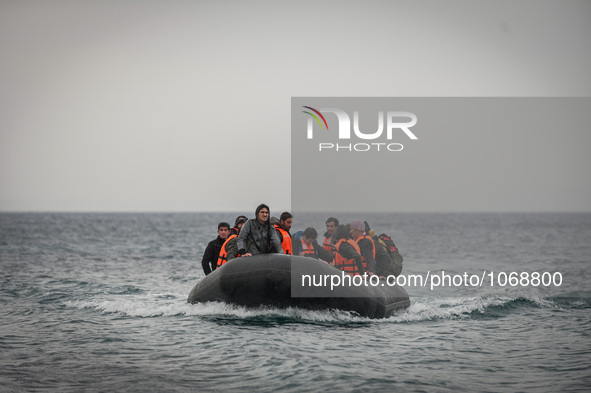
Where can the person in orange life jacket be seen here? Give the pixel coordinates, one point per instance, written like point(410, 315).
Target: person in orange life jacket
point(331, 225)
point(230, 247)
point(366, 245)
point(347, 256)
point(305, 244)
point(283, 225)
point(212, 251)
point(258, 236)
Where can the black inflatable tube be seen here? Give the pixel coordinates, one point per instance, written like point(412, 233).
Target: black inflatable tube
point(276, 280)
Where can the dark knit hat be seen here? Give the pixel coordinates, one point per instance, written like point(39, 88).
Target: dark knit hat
point(240, 219)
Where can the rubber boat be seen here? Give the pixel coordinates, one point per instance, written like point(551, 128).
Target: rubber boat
point(283, 281)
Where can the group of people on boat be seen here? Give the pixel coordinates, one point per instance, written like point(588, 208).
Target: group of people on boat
point(353, 248)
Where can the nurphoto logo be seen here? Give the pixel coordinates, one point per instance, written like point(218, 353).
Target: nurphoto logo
point(397, 124)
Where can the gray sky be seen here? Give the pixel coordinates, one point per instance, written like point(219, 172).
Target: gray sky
point(185, 105)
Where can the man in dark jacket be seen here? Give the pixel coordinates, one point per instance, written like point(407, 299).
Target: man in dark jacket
point(212, 251)
point(258, 236)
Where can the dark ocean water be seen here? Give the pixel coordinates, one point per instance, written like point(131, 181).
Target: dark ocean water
point(97, 302)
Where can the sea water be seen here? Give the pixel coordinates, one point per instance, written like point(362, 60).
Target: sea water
point(97, 302)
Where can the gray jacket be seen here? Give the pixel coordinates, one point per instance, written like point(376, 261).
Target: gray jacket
point(257, 238)
point(232, 248)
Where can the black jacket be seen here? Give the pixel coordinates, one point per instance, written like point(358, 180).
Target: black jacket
point(348, 252)
point(366, 247)
point(211, 255)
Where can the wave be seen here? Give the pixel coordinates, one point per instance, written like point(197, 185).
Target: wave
point(171, 304)
point(128, 302)
point(484, 307)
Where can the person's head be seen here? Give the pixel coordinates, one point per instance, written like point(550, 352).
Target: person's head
point(357, 228)
point(340, 232)
point(223, 229)
point(331, 225)
point(239, 223)
point(262, 213)
point(309, 235)
point(286, 219)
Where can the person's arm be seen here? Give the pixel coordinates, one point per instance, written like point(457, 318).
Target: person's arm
point(232, 249)
point(366, 248)
point(323, 254)
point(348, 252)
point(241, 242)
point(207, 257)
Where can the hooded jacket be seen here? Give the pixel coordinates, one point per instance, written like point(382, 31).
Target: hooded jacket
point(256, 238)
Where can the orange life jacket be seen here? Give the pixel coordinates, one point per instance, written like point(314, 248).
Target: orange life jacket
point(223, 258)
point(349, 266)
point(286, 242)
point(373, 249)
point(328, 246)
point(307, 250)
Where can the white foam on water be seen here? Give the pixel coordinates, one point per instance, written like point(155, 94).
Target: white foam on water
point(146, 305)
point(169, 304)
point(422, 309)
point(175, 304)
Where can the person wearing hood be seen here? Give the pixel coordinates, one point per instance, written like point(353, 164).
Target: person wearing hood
point(240, 220)
point(258, 236)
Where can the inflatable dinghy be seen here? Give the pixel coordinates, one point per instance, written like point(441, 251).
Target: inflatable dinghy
point(282, 281)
